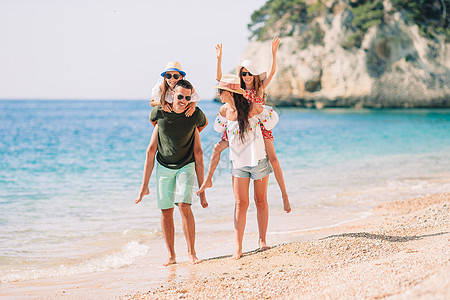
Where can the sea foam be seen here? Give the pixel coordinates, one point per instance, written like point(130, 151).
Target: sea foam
point(122, 258)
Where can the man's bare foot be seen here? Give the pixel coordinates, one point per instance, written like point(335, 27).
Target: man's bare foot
point(237, 255)
point(170, 261)
point(263, 246)
point(144, 191)
point(203, 201)
point(286, 204)
point(194, 260)
point(206, 184)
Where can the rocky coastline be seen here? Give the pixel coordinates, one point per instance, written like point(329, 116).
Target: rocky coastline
point(395, 66)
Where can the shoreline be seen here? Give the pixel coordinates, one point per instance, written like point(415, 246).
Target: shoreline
point(401, 251)
point(402, 247)
point(352, 103)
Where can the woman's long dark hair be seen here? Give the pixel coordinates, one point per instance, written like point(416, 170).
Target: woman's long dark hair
point(243, 110)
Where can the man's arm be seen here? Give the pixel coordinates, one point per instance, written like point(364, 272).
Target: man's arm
point(153, 117)
point(200, 128)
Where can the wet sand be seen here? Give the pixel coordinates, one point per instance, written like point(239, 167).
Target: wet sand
point(401, 251)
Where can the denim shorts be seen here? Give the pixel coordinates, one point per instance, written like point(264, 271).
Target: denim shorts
point(174, 186)
point(256, 172)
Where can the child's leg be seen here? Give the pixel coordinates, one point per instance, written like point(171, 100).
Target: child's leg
point(215, 158)
point(148, 166)
point(270, 149)
point(199, 166)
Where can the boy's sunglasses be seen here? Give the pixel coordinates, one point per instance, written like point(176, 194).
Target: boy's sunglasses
point(245, 74)
point(175, 76)
point(188, 98)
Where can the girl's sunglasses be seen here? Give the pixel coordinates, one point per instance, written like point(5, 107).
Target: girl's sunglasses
point(245, 74)
point(188, 98)
point(168, 76)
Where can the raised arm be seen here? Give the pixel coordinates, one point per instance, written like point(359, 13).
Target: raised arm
point(219, 62)
point(275, 45)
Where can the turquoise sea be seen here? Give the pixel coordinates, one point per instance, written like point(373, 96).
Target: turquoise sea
point(70, 170)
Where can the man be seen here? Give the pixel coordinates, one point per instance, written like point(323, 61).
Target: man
point(175, 167)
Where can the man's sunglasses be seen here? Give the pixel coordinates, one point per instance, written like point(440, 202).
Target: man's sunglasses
point(188, 98)
point(175, 76)
point(245, 74)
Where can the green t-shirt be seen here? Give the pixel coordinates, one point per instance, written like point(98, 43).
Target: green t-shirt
point(176, 136)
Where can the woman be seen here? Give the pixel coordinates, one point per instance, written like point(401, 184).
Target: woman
point(240, 119)
point(254, 81)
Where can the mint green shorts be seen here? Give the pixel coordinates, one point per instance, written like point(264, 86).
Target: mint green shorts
point(174, 186)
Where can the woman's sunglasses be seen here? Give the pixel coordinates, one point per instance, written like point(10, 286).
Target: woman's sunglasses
point(175, 76)
point(245, 74)
point(188, 98)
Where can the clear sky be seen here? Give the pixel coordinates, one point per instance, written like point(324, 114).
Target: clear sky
point(115, 49)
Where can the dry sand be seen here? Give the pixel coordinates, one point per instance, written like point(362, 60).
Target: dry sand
point(400, 252)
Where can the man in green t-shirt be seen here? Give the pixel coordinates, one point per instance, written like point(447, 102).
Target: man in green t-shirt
point(175, 167)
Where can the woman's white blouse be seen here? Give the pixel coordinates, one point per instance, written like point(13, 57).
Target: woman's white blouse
point(156, 93)
point(252, 149)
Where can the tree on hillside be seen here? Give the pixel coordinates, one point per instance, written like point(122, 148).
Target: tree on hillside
point(431, 16)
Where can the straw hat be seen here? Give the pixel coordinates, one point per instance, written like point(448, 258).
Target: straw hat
point(252, 68)
point(231, 83)
point(173, 66)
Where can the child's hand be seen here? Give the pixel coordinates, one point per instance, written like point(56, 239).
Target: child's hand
point(203, 201)
point(167, 107)
point(190, 109)
point(219, 51)
point(275, 44)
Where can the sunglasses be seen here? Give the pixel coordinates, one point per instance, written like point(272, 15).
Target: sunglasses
point(168, 76)
point(188, 98)
point(245, 74)
point(220, 91)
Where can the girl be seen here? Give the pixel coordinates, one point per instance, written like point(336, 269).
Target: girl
point(254, 82)
point(240, 119)
point(162, 95)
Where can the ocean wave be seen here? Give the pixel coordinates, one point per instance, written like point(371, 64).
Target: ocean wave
point(122, 258)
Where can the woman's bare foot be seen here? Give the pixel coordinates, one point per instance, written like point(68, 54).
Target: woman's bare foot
point(206, 184)
point(194, 260)
point(237, 255)
point(170, 261)
point(286, 204)
point(144, 191)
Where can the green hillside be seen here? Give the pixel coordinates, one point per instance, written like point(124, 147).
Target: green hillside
point(284, 16)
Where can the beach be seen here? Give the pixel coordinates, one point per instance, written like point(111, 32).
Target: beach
point(402, 251)
point(70, 171)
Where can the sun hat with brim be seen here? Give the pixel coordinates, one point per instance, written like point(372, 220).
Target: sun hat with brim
point(231, 83)
point(173, 66)
point(252, 68)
